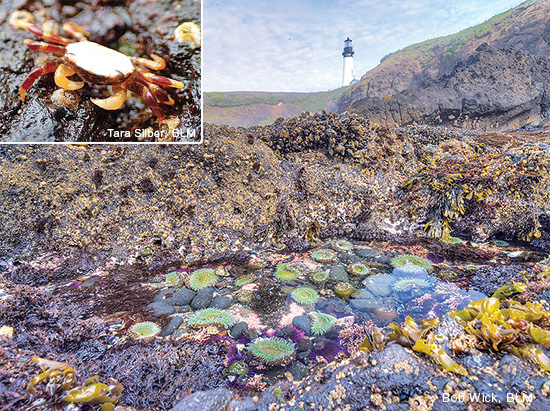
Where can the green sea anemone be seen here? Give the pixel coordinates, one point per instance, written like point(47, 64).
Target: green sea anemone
point(408, 283)
point(321, 323)
point(343, 245)
point(243, 280)
point(211, 316)
point(304, 295)
point(174, 278)
point(273, 351)
point(145, 330)
point(202, 278)
point(245, 296)
point(238, 367)
point(402, 260)
point(323, 255)
point(358, 269)
point(451, 240)
point(319, 277)
point(343, 289)
point(285, 273)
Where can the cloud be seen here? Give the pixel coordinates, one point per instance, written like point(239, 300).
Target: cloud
point(296, 45)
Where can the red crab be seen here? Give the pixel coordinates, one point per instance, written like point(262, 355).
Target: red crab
point(97, 64)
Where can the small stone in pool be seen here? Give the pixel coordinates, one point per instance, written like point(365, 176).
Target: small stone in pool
point(298, 370)
point(366, 304)
point(202, 299)
point(237, 330)
point(172, 326)
point(366, 253)
point(173, 297)
point(220, 302)
point(160, 308)
point(380, 285)
point(303, 322)
point(339, 273)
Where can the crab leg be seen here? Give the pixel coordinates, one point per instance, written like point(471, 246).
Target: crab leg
point(47, 67)
point(37, 31)
point(157, 63)
point(149, 98)
point(60, 77)
point(113, 102)
point(159, 93)
point(42, 46)
point(76, 31)
point(160, 80)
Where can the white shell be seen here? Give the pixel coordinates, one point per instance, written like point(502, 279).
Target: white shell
point(98, 60)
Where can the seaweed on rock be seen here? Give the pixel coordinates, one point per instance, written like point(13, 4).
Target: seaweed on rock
point(519, 329)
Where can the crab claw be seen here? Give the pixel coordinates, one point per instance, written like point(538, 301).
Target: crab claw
point(113, 102)
point(60, 77)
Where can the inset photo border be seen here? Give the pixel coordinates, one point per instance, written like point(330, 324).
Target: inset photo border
point(101, 72)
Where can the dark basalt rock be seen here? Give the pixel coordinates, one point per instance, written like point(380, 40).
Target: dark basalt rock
point(212, 400)
point(202, 299)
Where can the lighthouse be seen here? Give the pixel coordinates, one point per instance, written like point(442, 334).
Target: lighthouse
point(347, 73)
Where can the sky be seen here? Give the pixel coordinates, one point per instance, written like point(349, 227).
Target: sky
point(296, 45)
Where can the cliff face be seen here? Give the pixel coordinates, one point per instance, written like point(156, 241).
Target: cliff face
point(472, 73)
point(493, 89)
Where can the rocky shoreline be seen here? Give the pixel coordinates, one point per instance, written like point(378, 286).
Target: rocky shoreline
point(84, 227)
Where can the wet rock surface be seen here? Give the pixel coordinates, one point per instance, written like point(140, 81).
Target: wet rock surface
point(246, 194)
point(136, 28)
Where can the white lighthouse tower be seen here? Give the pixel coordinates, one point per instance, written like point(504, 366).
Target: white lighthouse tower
point(347, 74)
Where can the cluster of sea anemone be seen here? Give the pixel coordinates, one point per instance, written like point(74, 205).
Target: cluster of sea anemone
point(343, 245)
point(343, 289)
point(321, 323)
point(304, 295)
point(403, 260)
point(319, 277)
point(272, 350)
point(174, 278)
point(211, 316)
point(202, 278)
point(284, 273)
point(359, 269)
point(143, 330)
point(323, 255)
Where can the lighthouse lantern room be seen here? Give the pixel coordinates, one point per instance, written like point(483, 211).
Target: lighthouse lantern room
point(347, 74)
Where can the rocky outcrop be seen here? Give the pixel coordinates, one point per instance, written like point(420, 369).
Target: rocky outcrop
point(443, 80)
point(292, 183)
point(493, 89)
